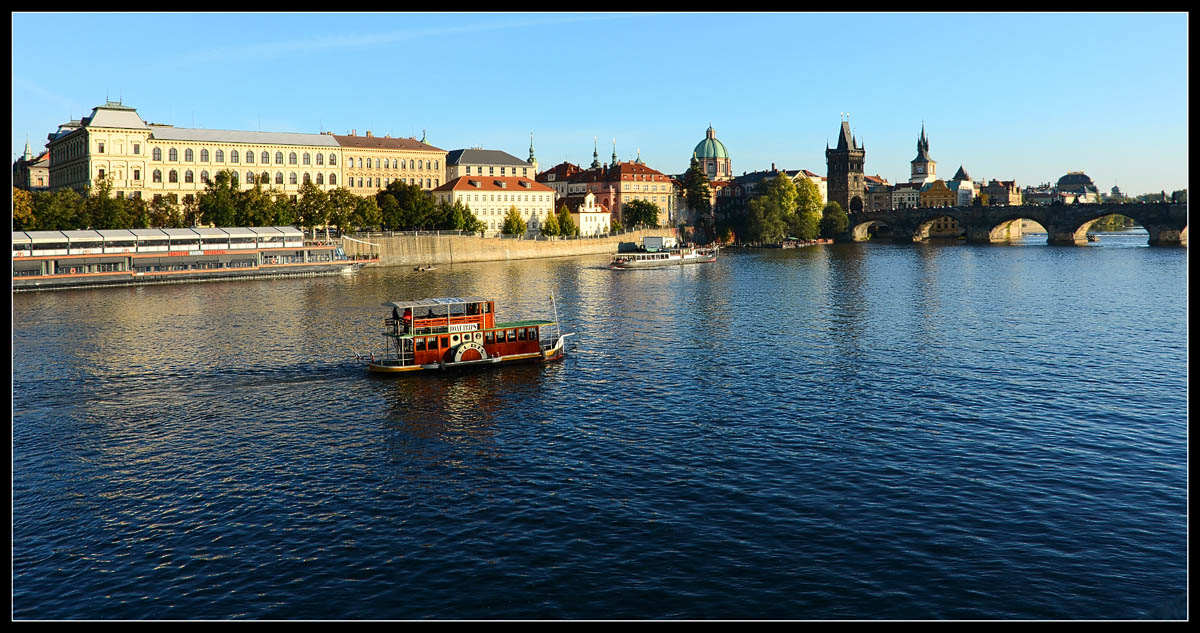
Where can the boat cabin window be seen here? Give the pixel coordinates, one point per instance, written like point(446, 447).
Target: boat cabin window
point(533, 334)
point(454, 339)
point(420, 344)
point(521, 334)
point(445, 341)
point(512, 335)
point(489, 337)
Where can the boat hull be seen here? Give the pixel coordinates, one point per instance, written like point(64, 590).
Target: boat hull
point(555, 353)
point(667, 263)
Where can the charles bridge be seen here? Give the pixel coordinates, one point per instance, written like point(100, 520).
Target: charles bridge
point(1166, 222)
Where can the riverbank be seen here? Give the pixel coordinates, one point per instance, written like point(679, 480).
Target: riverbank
point(432, 249)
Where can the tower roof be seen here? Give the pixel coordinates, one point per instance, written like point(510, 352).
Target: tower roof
point(961, 174)
point(922, 148)
point(710, 147)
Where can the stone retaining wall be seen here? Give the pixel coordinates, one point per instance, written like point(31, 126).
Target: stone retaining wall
point(441, 250)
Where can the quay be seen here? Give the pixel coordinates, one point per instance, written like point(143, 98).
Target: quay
point(446, 248)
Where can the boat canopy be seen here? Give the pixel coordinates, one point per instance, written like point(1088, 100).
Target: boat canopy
point(438, 305)
point(83, 236)
point(19, 237)
point(211, 233)
point(182, 234)
point(116, 234)
point(46, 237)
point(149, 234)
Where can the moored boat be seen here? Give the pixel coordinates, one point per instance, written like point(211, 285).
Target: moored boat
point(660, 259)
point(460, 332)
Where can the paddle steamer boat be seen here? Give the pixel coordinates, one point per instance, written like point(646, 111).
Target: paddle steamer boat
point(661, 259)
point(460, 332)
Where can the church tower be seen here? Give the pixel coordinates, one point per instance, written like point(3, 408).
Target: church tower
point(844, 169)
point(924, 168)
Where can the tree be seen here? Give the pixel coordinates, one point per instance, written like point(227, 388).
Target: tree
point(103, 210)
point(615, 226)
point(413, 207)
point(218, 203)
point(566, 225)
point(513, 224)
point(834, 221)
point(699, 197)
point(366, 213)
point(312, 207)
point(772, 210)
point(163, 213)
point(256, 206)
point(550, 226)
point(283, 211)
point(23, 217)
point(809, 209)
point(641, 212)
point(60, 210)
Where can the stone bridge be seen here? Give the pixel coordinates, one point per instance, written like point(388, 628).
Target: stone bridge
point(1065, 224)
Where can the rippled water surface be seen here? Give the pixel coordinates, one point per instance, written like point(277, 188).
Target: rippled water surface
point(857, 431)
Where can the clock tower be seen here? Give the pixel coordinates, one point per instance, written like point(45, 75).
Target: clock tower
point(924, 168)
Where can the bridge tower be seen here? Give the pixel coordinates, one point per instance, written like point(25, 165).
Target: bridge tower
point(844, 169)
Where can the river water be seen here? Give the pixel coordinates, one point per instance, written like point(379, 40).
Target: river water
point(858, 431)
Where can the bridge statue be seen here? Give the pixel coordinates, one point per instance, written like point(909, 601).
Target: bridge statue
point(1166, 222)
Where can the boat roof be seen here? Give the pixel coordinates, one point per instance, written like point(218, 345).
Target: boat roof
point(45, 236)
point(188, 233)
point(149, 233)
point(438, 301)
point(83, 236)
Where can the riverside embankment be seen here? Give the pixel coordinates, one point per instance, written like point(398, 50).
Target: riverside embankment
point(437, 250)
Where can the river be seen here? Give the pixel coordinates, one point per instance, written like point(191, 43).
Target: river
point(856, 431)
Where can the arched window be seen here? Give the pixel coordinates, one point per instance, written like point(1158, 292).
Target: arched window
point(333, 159)
point(204, 156)
point(320, 177)
point(333, 179)
point(360, 163)
point(220, 157)
point(435, 164)
point(172, 176)
point(157, 175)
point(307, 179)
point(279, 159)
point(420, 164)
point(249, 176)
point(320, 158)
point(157, 154)
point(204, 176)
point(266, 158)
point(187, 155)
point(233, 156)
point(187, 176)
point(376, 163)
point(412, 164)
point(307, 160)
point(292, 178)
point(279, 178)
point(265, 178)
point(292, 158)
point(368, 182)
point(249, 157)
point(173, 155)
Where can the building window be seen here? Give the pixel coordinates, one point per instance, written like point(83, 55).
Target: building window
point(187, 155)
point(172, 176)
point(320, 159)
point(249, 176)
point(137, 148)
point(173, 155)
point(333, 179)
point(233, 156)
point(249, 157)
point(279, 178)
point(333, 159)
point(100, 147)
point(204, 176)
point(265, 178)
point(137, 175)
point(187, 176)
point(320, 177)
point(292, 178)
point(307, 179)
point(279, 158)
point(157, 176)
point(292, 158)
point(204, 156)
point(157, 153)
point(306, 159)
point(101, 173)
point(220, 157)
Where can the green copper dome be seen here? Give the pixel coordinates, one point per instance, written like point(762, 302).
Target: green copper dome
point(710, 147)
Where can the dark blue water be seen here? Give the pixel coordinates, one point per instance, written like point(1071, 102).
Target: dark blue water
point(867, 431)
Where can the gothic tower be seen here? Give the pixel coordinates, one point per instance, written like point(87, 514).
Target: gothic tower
point(844, 169)
point(924, 168)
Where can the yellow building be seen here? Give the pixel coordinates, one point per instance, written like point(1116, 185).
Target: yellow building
point(372, 163)
point(149, 160)
point(490, 197)
point(937, 194)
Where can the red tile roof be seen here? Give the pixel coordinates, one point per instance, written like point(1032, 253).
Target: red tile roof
point(494, 183)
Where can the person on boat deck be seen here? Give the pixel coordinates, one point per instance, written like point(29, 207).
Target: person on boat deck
point(407, 319)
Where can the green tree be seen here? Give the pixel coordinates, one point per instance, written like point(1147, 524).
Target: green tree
point(809, 209)
point(641, 213)
point(22, 210)
point(103, 210)
point(163, 213)
point(366, 213)
point(513, 223)
point(699, 198)
point(413, 207)
point(139, 211)
point(284, 211)
point(834, 221)
point(218, 203)
point(312, 207)
point(772, 210)
point(550, 226)
point(256, 206)
point(615, 226)
point(566, 224)
point(60, 210)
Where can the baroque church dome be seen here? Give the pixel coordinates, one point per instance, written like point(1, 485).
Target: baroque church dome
point(710, 147)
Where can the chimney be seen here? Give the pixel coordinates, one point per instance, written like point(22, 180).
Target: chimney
point(772, 166)
point(368, 133)
point(353, 132)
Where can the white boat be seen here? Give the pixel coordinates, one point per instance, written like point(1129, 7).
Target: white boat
point(660, 259)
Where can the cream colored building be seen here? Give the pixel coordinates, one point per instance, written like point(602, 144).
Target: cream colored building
point(590, 216)
point(372, 163)
point(490, 198)
point(148, 160)
point(489, 162)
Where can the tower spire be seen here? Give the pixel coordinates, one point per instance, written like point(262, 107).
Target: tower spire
point(595, 152)
point(531, 158)
point(614, 158)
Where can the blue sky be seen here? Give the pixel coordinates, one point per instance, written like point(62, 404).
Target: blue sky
point(1009, 96)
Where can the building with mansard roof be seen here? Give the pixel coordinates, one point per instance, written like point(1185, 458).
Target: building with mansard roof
point(489, 162)
point(489, 198)
point(30, 172)
point(371, 163)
